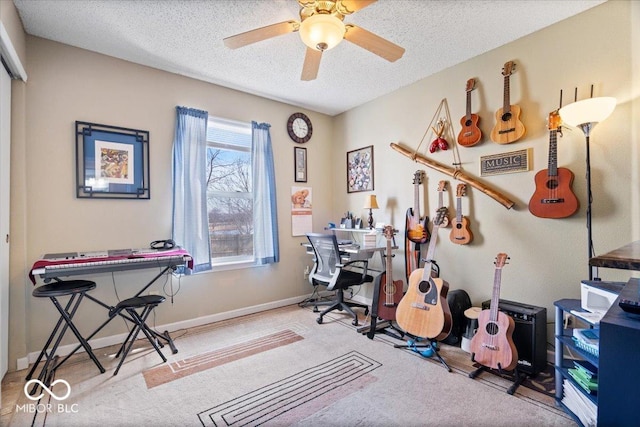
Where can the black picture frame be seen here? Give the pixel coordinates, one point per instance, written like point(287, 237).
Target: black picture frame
point(300, 164)
point(360, 170)
point(123, 165)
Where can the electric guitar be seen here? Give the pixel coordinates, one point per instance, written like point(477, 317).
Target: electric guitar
point(391, 290)
point(553, 197)
point(460, 231)
point(470, 134)
point(442, 187)
point(416, 226)
point(423, 311)
point(492, 345)
point(508, 127)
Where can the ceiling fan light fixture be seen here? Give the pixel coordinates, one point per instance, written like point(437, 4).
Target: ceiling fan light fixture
point(322, 31)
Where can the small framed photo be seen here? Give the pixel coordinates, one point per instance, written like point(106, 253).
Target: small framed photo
point(300, 164)
point(111, 162)
point(360, 170)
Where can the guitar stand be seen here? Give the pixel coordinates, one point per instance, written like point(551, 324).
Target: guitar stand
point(432, 350)
point(383, 327)
point(517, 380)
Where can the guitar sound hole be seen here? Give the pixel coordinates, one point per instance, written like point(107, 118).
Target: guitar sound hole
point(467, 123)
point(458, 226)
point(491, 328)
point(424, 286)
point(506, 117)
point(552, 184)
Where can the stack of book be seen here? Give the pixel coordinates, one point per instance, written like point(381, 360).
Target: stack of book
point(587, 340)
point(585, 375)
point(579, 404)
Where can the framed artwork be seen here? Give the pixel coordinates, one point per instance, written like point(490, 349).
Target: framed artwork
point(300, 164)
point(360, 170)
point(111, 162)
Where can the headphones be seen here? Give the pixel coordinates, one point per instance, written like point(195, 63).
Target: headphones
point(163, 244)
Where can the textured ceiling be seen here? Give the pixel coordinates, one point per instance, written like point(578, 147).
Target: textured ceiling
point(185, 37)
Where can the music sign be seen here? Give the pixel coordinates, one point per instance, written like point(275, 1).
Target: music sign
point(511, 162)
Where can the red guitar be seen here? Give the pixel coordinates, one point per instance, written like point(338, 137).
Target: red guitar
point(508, 126)
point(470, 133)
point(391, 291)
point(416, 226)
point(460, 231)
point(553, 197)
point(423, 311)
point(492, 346)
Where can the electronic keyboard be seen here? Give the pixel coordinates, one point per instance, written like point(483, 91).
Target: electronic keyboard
point(73, 266)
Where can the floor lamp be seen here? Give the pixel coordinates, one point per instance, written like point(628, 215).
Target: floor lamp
point(585, 115)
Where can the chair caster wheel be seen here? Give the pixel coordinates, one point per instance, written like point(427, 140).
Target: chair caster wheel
point(319, 320)
point(315, 309)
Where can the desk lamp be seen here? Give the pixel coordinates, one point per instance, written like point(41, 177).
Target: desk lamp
point(371, 203)
point(585, 115)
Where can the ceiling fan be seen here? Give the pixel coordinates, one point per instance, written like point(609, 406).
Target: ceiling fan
point(321, 28)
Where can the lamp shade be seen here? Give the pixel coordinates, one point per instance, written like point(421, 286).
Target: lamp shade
point(321, 31)
point(592, 110)
point(371, 202)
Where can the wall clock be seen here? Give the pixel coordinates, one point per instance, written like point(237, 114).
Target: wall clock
point(299, 128)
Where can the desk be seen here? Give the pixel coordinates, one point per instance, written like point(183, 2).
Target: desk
point(624, 258)
point(86, 263)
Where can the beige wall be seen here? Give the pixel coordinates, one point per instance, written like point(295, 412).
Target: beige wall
point(548, 257)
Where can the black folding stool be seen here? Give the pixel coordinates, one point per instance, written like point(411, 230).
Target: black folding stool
point(147, 303)
point(76, 289)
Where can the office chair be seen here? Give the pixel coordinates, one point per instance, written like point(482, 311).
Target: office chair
point(329, 270)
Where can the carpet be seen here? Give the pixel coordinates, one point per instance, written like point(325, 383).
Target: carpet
point(543, 382)
point(281, 368)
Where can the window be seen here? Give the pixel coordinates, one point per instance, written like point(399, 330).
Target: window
point(229, 191)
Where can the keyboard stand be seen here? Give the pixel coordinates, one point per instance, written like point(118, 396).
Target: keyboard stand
point(164, 336)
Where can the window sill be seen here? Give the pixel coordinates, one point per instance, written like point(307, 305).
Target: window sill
point(238, 265)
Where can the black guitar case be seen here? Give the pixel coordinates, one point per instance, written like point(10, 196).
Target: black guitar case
point(458, 301)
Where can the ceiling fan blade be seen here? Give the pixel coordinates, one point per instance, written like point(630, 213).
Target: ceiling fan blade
point(311, 64)
point(259, 34)
point(373, 43)
point(347, 7)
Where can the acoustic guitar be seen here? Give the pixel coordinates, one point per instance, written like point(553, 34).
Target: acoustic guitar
point(492, 345)
point(423, 311)
point(460, 232)
point(391, 291)
point(508, 127)
point(416, 225)
point(470, 134)
point(553, 197)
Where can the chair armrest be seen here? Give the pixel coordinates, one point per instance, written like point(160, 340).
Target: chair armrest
point(364, 266)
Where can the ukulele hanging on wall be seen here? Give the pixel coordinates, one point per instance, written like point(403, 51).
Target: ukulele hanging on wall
point(508, 126)
point(470, 134)
point(553, 197)
point(460, 231)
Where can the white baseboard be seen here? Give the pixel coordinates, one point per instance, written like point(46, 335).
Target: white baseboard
point(24, 362)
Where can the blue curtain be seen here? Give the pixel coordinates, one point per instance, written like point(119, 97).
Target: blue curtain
point(265, 230)
point(190, 222)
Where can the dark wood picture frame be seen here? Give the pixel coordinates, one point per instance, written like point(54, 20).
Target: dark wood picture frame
point(111, 162)
point(360, 170)
point(300, 164)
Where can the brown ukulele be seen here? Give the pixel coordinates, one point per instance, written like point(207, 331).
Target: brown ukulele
point(416, 226)
point(492, 346)
point(442, 187)
point(391, 291)
point(460, 231)
point(470, 133)
point(423, 311)
point(553, 197)
point(508, 126)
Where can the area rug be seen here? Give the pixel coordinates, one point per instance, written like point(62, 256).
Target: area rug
point(281, 368)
